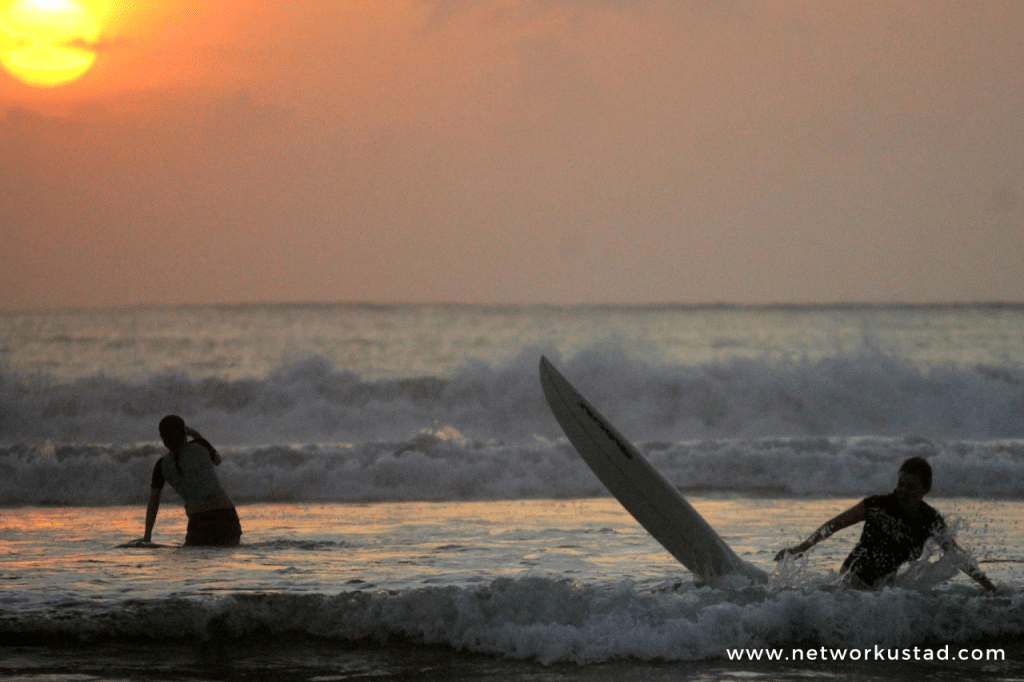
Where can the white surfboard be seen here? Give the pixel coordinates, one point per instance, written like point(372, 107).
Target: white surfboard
point(641, 489)
point(139, 544)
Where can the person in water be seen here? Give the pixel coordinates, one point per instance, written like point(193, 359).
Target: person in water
point(896, 527)
point(188, 467)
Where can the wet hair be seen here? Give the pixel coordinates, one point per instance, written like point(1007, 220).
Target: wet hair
point(172, 429)
point(919, 466)
point(172, 425)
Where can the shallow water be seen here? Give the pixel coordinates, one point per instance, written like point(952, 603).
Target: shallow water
point(413, 511)
point(537, 589)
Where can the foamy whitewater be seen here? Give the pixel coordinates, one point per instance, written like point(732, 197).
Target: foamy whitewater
point(411, 508)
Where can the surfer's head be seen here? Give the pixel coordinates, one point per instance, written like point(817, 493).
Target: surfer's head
point(172, 431)
point(914, 480)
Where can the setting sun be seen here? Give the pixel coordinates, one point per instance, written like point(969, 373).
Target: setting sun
point(45, 43)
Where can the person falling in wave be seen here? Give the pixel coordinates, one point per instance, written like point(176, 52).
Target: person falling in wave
point(188, 467)
point(896, 527)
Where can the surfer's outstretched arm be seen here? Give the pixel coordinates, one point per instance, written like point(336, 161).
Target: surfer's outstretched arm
point(965, 563)
point(151, 510)
point(854, 514)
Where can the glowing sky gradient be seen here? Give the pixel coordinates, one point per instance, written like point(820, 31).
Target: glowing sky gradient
point(519, 151)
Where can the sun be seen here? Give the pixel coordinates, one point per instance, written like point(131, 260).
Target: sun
point(45, 43)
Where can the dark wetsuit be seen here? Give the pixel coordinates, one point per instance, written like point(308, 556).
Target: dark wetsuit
point(214, 528)
point(891, 536)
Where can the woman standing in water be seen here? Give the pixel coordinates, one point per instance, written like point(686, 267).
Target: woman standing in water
point(188, 467)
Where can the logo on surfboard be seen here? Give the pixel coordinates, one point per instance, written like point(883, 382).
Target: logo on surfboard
point(608, 432)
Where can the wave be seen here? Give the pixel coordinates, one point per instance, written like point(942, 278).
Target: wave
point(544, 619)
point(866, 392)
point(311, 431)
point(443, 465)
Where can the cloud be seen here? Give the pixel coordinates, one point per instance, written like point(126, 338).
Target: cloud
point(101, 44)
point(534, 151)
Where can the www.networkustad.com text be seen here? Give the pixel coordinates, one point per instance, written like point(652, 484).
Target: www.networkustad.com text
point(876, 653)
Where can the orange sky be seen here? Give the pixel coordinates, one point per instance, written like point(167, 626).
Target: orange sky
point(515, 151)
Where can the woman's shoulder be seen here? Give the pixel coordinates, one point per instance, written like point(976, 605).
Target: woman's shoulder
point(886, 504)
point(932, 514)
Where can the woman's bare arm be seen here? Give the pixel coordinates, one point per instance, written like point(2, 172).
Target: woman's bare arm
point(854, 514)
point(151, 511)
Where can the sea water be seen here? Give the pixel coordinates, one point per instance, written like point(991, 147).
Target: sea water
point(411, 508)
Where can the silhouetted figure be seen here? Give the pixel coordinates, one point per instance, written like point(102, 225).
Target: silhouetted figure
point(189, 468)
point(896, 527)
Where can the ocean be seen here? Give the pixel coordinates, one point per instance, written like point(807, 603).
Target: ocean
point(411, 509)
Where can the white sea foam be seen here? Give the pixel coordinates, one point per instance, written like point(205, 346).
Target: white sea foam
point(436, 467)
point(549, 620)
point(308, 431)
point(311, 401)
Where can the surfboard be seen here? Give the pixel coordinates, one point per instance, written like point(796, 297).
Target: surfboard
point(645, 493)
point(140, 545)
